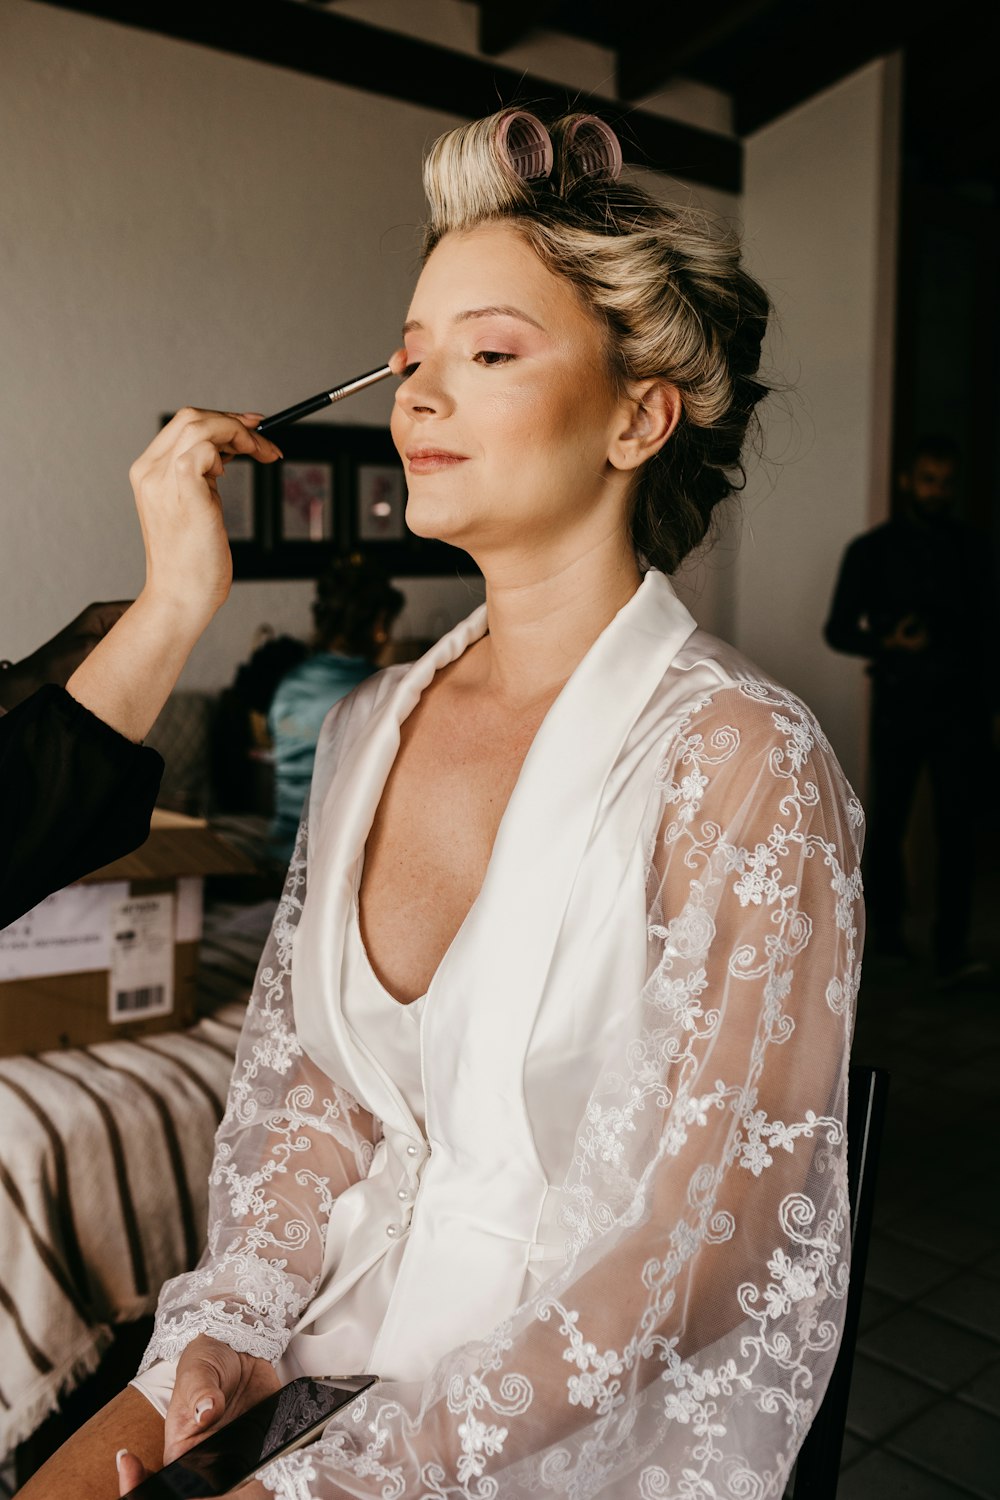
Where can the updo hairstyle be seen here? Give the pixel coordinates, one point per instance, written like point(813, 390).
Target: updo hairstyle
point(354, 599)
point(670, 291)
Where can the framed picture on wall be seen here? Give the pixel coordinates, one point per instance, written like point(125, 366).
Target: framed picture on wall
point(306, 502)
point(381, 503)
point(338, 488)
point(236, 491)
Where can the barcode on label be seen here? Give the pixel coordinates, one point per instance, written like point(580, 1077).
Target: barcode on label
point(134, 1002)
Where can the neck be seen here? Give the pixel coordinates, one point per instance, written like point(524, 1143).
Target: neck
point(543, 622)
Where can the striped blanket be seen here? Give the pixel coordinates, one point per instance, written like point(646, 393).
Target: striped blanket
point(104, 1160)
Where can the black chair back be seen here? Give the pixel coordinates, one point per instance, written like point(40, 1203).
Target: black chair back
point(818, 1465)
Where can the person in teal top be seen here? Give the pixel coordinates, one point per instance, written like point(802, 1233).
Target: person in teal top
point(353, 612)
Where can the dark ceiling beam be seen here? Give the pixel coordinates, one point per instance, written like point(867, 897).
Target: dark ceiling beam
point(666, 38)
point(342, 50)
point(828, 44)
point(504, 23)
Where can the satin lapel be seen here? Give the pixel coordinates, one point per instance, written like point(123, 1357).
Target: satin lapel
point(348, 810)
point(482, 1005)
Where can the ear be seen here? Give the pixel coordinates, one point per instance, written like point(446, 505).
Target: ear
point(649, 414)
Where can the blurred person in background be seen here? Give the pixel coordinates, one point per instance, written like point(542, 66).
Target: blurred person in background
point(353, 613)
point(914, 597)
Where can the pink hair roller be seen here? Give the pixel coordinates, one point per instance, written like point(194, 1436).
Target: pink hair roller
point(526, 144)
point(594, 147)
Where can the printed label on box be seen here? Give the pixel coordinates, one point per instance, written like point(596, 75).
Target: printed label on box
point(141, 982)
point(67, 933)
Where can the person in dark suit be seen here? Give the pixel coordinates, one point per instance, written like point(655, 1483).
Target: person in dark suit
point(914, 597)
point(77, 785)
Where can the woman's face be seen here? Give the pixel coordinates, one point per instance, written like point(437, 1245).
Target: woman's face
point(505, 419)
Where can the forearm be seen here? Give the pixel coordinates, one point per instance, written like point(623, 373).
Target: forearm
point(272, 1188)
point(128, 677)
point(847, 627)
point(290, 1143)
point(75, 796)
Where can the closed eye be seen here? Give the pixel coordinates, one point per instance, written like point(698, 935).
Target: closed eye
point(409, 369)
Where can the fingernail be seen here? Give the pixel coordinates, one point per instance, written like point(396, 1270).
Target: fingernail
point(202, 1408)
point(118, 1458)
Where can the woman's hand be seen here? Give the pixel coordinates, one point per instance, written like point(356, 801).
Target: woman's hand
point(131, 1473)
point(189, 570)
point(188, 564)
point(214, 1384)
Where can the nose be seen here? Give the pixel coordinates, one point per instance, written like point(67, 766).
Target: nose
point(423, 393)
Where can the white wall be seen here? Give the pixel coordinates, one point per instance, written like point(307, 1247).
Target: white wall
point(820, 220)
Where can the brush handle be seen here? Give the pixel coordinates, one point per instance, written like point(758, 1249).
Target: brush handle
point(325, 398)
point(294, 413)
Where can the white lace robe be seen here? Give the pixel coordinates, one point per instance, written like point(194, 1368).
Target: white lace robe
point(619, 1254)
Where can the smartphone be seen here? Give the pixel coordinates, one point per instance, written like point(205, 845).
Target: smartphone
point(276, 1425)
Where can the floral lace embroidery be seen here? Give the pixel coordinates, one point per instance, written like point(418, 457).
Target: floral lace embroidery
point(674, 1102)
point(261, 1268)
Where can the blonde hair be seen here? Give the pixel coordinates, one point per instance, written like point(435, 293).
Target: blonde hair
point(670, 290)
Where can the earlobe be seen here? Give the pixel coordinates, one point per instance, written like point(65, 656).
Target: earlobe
point(653, 412)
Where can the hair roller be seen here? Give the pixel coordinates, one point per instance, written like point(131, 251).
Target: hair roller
point(526, 144)
point(485, 168)
point(587, 148)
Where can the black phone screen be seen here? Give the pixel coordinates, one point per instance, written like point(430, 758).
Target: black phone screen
point(275, 1425)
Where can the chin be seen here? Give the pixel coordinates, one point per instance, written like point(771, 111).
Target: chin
point(436, 520)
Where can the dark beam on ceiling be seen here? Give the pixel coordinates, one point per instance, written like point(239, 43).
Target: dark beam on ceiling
point(824, 47)
point(669, 37)
point(504, 23)
point(341, 50)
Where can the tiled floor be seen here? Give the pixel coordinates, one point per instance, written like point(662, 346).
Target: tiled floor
point(924, 1420)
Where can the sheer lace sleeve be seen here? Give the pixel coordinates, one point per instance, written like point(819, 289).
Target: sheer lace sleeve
point(290, 1141)
point(686, 1344)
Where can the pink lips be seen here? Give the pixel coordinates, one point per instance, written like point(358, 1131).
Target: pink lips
point(432, 460)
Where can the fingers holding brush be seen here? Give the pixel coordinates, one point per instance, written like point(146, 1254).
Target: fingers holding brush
point(188, 563)
point(126, 679)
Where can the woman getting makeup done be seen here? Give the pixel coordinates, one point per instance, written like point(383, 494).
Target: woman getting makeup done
point(77, 786)
point(539, 1108)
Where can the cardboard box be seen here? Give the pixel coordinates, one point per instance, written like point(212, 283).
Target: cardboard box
point(116, 955)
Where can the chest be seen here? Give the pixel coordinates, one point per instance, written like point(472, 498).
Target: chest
point(433, 833)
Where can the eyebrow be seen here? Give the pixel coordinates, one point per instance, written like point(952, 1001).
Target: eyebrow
point(481, 312)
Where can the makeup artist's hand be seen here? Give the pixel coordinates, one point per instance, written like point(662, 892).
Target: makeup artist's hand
point(189, 569)
point(188, 563)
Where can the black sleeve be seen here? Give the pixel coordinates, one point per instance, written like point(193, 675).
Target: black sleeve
point(844, 630)
point(74, 795)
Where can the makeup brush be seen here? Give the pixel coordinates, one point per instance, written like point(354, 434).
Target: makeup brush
point(325, 398)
